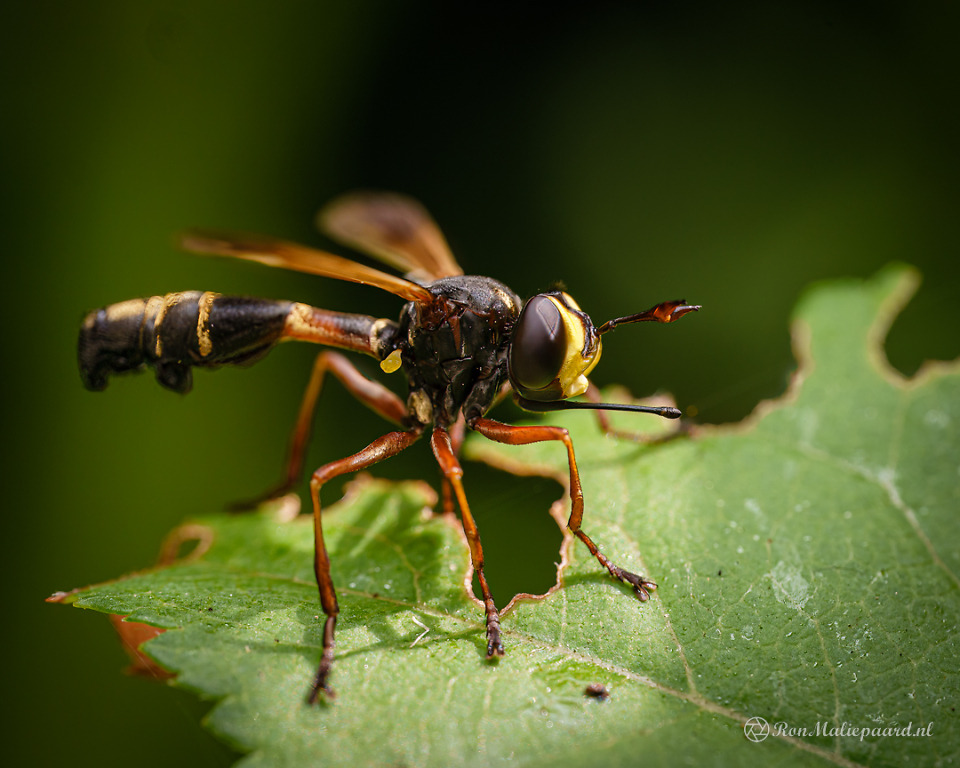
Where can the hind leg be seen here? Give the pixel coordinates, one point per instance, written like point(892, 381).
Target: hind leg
point(369, 392)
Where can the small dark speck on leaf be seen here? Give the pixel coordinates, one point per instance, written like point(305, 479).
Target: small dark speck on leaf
point(597, 691)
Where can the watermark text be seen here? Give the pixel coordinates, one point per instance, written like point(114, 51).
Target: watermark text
point(757, 729)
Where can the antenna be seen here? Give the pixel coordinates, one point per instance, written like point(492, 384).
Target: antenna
point(662, 313)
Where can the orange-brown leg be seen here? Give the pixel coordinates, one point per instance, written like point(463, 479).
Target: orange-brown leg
point(453, 473)
point(371, 393)
point(457, 433)
point(383, 448)
point(523, 435)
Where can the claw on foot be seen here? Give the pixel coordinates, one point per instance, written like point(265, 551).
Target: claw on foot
point(641, 586)
point(494, 643)
point(321, 691)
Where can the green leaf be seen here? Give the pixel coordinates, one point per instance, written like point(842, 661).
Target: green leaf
point(807, 559)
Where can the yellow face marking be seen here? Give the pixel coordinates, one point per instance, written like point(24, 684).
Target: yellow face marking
point(570, 301)
point(203, 321)
point(576, 365)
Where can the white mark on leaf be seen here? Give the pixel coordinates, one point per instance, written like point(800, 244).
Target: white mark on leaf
point(789, 586)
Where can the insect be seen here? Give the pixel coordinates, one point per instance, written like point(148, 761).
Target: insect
point(463, 342)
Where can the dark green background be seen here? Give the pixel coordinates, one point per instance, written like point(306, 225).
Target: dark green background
point(636, 152)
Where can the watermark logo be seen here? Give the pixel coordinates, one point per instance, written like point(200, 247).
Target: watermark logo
point(756, 729)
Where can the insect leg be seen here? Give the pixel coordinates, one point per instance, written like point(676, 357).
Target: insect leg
point(523, 435)
point(369, 392)
point(453, 473)
point(389, 445)
point(457, 433)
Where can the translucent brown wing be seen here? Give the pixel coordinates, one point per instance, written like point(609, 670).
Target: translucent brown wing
point(393, 228)
point(279, 253)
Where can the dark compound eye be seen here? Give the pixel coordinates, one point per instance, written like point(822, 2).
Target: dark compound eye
point(539, 345)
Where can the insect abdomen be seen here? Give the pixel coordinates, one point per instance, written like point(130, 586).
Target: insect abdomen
point(175, 332)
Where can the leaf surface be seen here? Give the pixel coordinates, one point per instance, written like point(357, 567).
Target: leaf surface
point(807, 559)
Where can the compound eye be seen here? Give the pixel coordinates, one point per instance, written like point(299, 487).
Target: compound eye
point(539, 346)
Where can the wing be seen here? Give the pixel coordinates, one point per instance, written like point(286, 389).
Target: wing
point(393, 228)
point(279, 253)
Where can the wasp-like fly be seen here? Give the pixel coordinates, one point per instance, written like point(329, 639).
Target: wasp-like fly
point(462, 341)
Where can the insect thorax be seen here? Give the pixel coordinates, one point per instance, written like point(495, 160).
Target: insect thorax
point(455, 352)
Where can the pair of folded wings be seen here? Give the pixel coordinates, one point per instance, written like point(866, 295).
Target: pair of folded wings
point(392, 228)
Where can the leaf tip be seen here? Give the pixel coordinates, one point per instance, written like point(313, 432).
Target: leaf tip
point(63, 597)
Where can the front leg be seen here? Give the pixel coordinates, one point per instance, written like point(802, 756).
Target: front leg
point(523, 435)
point(457, 433)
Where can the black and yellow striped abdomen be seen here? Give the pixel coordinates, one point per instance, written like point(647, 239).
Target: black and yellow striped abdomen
point(180, 331)
point(176, 332)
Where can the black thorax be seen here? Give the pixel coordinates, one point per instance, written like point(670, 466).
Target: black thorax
point(454, 352)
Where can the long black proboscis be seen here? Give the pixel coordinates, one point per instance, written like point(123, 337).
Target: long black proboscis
point(565, 405)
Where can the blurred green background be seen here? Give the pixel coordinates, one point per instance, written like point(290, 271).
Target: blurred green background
point(636, 152)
